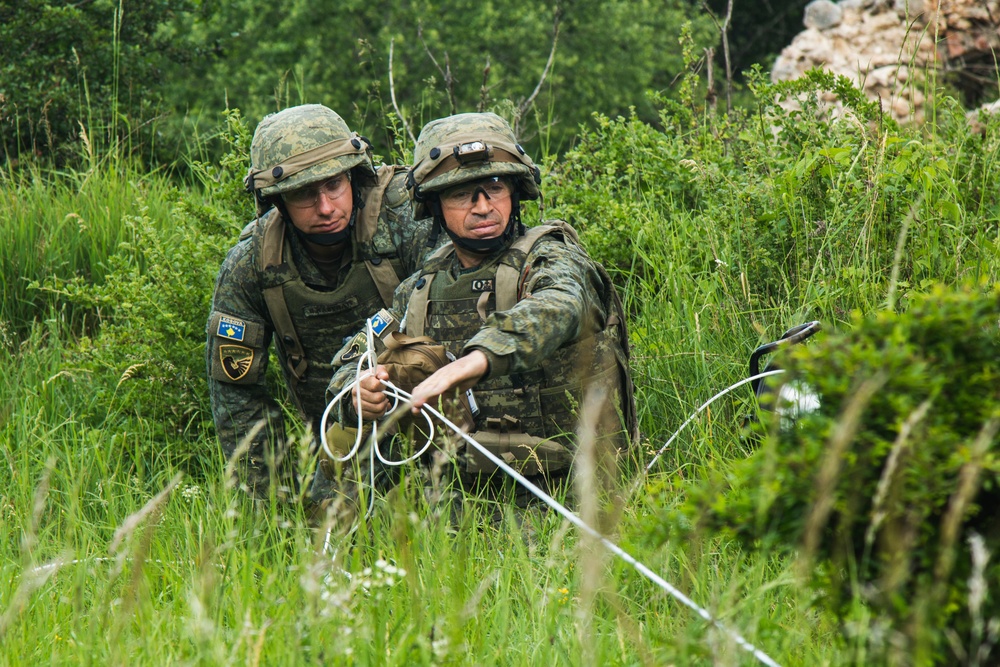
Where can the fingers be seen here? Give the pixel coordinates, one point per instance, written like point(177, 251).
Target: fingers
point(461, 374)
point(371, 393)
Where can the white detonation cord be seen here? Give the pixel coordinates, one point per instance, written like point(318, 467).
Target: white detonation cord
point(704, 405)
point(399, 394)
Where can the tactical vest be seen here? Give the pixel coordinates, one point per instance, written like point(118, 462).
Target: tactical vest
point(310, 325)
point(546, 399)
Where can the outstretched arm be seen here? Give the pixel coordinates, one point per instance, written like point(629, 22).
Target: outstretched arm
point(461, 374)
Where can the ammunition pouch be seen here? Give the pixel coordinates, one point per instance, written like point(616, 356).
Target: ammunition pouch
point(527, 454)
point(410, 360)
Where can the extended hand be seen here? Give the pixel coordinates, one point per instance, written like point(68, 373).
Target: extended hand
point(374, 402)
point(462, 374)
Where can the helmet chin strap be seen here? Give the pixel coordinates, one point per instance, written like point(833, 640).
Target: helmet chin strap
point(332, 238)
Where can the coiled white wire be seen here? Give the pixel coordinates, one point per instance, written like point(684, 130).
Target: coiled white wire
point(427, 411)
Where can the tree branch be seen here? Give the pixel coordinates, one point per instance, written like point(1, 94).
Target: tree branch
point(392, 95)
point(523, 107)
point(449, 80)
point(723, 29)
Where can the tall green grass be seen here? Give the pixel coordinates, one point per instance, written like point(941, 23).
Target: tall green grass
point(67, 224)
point(720, 232)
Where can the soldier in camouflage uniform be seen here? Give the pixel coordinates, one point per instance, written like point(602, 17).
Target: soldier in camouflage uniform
point(333, 237)
point(533, 321)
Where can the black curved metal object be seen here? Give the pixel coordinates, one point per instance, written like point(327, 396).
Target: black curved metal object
point(796, 334)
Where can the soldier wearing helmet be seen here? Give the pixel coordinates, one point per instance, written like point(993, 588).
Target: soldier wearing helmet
point(532, 320)
point(333, 237)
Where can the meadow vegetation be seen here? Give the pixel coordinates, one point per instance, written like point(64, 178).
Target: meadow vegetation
point(123, 544)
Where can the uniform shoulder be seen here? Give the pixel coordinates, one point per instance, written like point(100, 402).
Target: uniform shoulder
point(240, 255)
point(396, 193)
point(549, 235)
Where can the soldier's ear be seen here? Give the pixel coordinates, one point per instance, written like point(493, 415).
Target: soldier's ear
point(264, 204)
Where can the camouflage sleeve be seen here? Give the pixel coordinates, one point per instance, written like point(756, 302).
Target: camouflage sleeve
point(408, 237)
point(238, 337)
point(561, 303)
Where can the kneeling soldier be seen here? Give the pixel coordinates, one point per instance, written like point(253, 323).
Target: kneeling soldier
point(533, 321)
point(332, 239)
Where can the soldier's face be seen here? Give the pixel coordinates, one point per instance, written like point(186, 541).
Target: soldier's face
point(322, 208)
point(478, 209)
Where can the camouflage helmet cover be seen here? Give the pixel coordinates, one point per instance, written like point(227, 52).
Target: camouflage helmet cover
point(467, 147)
point(302, 145)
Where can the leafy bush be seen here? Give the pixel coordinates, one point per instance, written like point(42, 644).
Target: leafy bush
point(890, 486)
point(144, 364)
point(83, 65)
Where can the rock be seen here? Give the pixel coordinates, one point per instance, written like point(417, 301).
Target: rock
point(822, 14)
point(887, 47)
point(909, 9)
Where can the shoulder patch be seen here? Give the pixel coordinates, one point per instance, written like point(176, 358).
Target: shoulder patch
point(352, 350)
point(231, 328)
point(381, 321)
point(236, 361)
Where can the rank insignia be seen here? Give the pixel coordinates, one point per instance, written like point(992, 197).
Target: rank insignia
point(236, 361)
point(482, 285)
point(380, 321)
point(231, 328)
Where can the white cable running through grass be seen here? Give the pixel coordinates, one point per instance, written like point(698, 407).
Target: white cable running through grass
point(401, 395)
point(704, 405)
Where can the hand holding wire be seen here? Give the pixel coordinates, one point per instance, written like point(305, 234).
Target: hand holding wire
point(369, 394)
point(462, 373)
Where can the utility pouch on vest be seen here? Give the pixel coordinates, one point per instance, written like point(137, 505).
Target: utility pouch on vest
point(340, 439)
point(410, 360)
point(524, 453)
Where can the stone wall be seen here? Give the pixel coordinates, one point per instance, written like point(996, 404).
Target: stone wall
point(888, 46)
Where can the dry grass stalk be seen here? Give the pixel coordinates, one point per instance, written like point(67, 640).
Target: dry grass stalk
point(241, 449)
point(899, 447)
point(588, 490)
point(133, 520)
point(829, 472)
point(968, 484)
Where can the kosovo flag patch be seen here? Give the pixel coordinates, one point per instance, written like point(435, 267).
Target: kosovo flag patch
point(236, 361)
point(380, 321)
point(231, 328)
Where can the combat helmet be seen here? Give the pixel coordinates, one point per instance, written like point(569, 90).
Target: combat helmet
point(468, 147)
point(302, 145)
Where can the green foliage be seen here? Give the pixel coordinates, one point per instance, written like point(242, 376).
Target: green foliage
point(146, 362)
point(448, 56)
point(795, 209)
point(68, 225)
point(758, 31)
point(890, 482)
point(84, 67)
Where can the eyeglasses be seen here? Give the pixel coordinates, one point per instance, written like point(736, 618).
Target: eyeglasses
point(466, 194)
point(308, 197)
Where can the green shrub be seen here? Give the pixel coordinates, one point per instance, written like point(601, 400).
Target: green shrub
point(72, 67)
point(143, 362)
point(889, 486)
